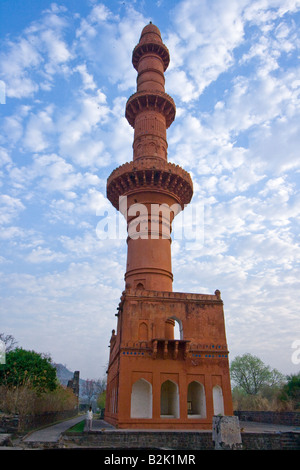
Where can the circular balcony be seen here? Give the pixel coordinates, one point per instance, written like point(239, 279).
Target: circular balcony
point(149, 174)
point(147, 100)
point(154, 47)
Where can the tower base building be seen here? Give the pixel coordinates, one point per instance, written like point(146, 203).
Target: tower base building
point(168, 365)
point(156, 380)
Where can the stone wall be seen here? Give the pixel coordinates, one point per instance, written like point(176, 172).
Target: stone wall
point(271, 441)
point(177, 440)
point(287, 418)
point(14, 423)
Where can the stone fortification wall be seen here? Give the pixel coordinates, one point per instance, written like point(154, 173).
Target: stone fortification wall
point(288, 418)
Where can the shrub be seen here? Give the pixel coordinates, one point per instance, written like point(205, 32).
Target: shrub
point(25, 400)
point(28, 367)
point(291, 391)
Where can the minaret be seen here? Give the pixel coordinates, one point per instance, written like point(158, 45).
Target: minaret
point(154, 379)
point(155, 190)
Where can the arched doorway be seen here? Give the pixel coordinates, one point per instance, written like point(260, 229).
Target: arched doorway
point(169, 400)
point(141, 399)
point(196, 400)
point(218, 400)
point(173, 329)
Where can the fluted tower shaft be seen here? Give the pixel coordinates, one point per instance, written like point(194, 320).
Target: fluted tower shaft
point(149, 181)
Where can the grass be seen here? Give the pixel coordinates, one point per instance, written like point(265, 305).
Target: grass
point(79, 427)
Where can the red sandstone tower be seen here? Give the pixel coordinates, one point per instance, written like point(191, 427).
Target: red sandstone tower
point(154, 379)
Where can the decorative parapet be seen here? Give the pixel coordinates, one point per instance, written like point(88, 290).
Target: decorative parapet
point(172, 296)
point(149, 173)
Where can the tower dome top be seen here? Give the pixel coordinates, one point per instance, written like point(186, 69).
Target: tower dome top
point(150, 33)
point(150, 41)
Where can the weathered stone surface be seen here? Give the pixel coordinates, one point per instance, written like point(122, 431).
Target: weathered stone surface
point(5, 439)
point(226, 433)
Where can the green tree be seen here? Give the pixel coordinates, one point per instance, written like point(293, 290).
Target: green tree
point(252, 375)
point(291, 390)
point(101, 400)
point(28, 368)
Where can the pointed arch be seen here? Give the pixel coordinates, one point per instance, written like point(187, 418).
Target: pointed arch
point(141, 399)
point(196, 400)
point(169, 400)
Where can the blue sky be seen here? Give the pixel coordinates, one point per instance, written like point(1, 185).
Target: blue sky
point(234, 74)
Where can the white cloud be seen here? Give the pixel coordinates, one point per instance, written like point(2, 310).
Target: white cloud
point(45, 255)
point(38, 127)
point(205, 47)
point(76, 125)
point(39, 51)
point(4, 157)
point(10, 208)
point(52, 173)
point(235, 80)
point(57, 49)
point(109, 43)
point(88, 80)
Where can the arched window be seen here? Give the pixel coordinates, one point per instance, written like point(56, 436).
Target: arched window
point(141, 399)
point(218, 400)
point(196, 400)
point(169, 400)
point(173, 329)
point(178, 329)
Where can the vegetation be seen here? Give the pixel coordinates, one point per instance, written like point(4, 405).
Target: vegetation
point(258, 387)
point(29, 385)
point(24, 400)
point(79, 427)
point(9, 341)
point(28, 368)
point(291, 391)
point(101, 400)
point(252, 375)
point(93, 388)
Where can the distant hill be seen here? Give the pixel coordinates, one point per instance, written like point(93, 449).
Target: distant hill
point(64, 375)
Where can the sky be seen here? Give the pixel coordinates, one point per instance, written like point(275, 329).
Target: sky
point(65, 77)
